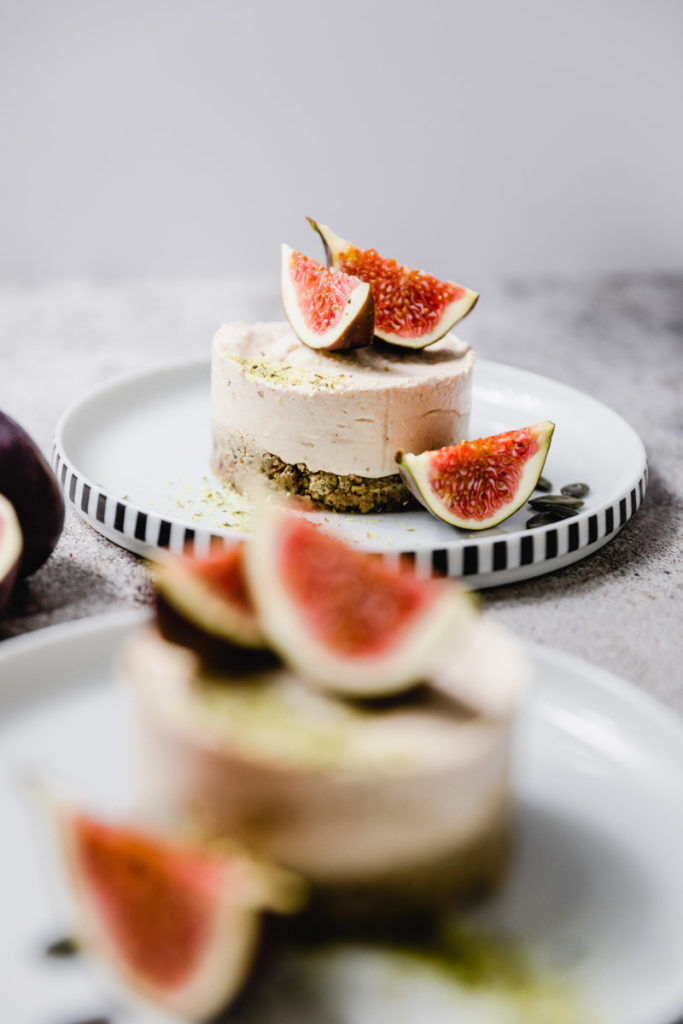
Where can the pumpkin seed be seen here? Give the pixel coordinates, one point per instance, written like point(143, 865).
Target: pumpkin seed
point(63, 947)
point(94, 1020)
point(575, 490)
point(551, 500)
point(561, 511)
point(542, 519)
point(543, 484)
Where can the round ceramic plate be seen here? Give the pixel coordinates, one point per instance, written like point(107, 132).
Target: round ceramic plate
point(594, 899)
point(133, 455)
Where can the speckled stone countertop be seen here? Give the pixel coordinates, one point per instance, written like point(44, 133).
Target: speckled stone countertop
point(618, 338)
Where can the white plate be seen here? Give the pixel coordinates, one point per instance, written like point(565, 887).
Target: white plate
point(595, 895)
point(132, 456)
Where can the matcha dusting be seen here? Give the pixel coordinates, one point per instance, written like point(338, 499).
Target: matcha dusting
point(287, 376)
point(499, 976)
point(288, 723)
point(501, 967)
point(480, 977)
point(256, 714)
point(473, 959)
point(217, 505)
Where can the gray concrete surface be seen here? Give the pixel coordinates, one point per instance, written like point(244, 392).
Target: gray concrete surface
point(618, 337)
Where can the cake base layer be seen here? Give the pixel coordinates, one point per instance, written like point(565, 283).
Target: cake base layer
point(423, 892)
point(236, 466)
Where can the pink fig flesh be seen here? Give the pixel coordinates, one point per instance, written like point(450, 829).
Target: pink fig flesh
point(328, 309)
point(477, 484)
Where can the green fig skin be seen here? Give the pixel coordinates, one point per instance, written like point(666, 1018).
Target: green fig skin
point(29, 484)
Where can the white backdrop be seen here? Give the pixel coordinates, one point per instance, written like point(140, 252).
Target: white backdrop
point(472, 139)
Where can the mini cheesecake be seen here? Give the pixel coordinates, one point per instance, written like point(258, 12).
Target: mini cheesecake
point(402, 804)
point(327, 425)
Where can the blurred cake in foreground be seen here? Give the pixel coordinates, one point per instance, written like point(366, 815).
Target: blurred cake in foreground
point(345, 719)
point(327, 425)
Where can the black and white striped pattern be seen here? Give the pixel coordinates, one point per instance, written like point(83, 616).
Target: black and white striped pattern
point(139, 531)
point(481, 557)
point(499, 554)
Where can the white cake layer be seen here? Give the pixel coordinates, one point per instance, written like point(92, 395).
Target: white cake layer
point(345, 413)
point(319, 785)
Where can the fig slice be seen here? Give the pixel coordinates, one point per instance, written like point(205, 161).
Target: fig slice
point(211, 594)
point(31, 486)
point(478, 484)
point(344, 619)
point(326, 308)
point(171, 922)
point(11, 545)
point(413, 309)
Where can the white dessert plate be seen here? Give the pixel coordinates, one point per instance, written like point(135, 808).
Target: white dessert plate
point(595, 896)
point(132, 457)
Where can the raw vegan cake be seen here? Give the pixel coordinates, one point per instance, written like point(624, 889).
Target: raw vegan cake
point(365, 746)
point(327, 425)
point(319, 734)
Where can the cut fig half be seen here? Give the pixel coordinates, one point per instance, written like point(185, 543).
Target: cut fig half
point(413, 309)
point(211, 594)
point(343, 618)
point(327, 309)
point(11, 546)
point(477, 484)
point(29, 483)
point(173, 923)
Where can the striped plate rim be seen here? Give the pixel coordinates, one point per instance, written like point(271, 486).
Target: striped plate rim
point(484, 556)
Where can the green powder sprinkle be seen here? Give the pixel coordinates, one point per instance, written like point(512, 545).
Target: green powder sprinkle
point(287, 376)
